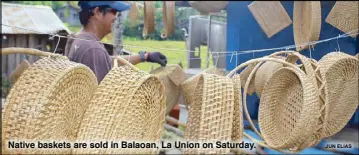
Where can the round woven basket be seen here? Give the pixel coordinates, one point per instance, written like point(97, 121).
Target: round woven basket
point(168, 18)
point(211, 114)
point(340, 71)
point(46, 103)
point(128, 105)
point(264, 72)
point(306, 23)
point(149, 18)
point(289, 107)
point(295, 145)
point(171, 76)
point(244, 76)
point(188, 86)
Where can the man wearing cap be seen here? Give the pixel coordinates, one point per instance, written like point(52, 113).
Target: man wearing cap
point(97, 18)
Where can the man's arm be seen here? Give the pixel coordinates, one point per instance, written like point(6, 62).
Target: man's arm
point(133, 59)
point(154, 57)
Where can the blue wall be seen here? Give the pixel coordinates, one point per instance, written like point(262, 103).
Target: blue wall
point(244, 33)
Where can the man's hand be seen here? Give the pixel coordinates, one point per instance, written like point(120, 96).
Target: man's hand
point(156, 57)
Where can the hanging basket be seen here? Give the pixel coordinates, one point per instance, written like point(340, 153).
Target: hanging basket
point(128, 105)
point(188, 86)
point(211, 114)
point(19, 70)
point(171, 76)
point(149, 18)
point(47, 102)
point(293, 144)
point(168, 18)
point(306, 23)
point(134, 14)
point(340, 71)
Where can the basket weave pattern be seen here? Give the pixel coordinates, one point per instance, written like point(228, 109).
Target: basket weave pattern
point(47, 103)
point(128, 105)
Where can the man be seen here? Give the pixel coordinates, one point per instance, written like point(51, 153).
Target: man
point(97, 18)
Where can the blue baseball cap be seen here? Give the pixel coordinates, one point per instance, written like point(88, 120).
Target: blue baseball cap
point(117, 5)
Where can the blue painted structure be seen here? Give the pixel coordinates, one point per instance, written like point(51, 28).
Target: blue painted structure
point(244, 33)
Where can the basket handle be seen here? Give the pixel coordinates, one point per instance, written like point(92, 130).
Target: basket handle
point(124, 61)
point(29, 51)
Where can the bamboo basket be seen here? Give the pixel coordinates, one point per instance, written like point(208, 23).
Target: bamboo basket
point(340, 71)
point(47, 102)
point(295, 139)
point(149, 18)
point(168, 18)
point(128, 105)
point(211, 114)
point(171, 76)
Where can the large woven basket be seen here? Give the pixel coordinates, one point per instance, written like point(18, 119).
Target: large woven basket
point(293, 145)
point(171, 76)
point(188, 86)
point(244, 76)
point(306, 23)
point(128, 105)
point(211, 114)
point(340, 71)
point(344, 16)
point(46, 103)
point(149, 18)
point(134, 14)
point(238, 127)
point(168, 18)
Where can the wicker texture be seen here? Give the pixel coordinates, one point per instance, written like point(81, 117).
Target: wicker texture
point(244, 76)
point(149, 18)
point(340, 71)
point(19, 70)
point(128, 105)
point(168, 18)
point(47, 103)
point(344, 16)
point(171, 76)
point(214, 120)
point(188, 86)
point(288, 110)
point(306, 23)
point(238, 128)
point(270, 15)
point(264, 72)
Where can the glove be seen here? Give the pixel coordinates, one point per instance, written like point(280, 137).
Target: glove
point(157, 57)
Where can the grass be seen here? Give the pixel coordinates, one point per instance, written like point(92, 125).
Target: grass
point(173, 57)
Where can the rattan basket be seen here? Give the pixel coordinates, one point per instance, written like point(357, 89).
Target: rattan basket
point(293, 145)
point(149, 18)
point(244, 76)
point(168, 18)
point(340, 71)
point(238, 127)
point(188, 86)
point(171, 76)
point(264, 72)
point(211, 114)
point(306, 23)
point(19, 70)
point(47, 102)
point(128, 105)
point(134, 14)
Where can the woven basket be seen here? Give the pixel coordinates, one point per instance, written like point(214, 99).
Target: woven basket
point(260, 60)
point(344, 16)
point(340, 71)
point(188, 86)
point(168, 18)
point(238, 128)
point(47, 102)
point(306, 23)
point(270, 15)
point(134, 13)
point(244, 76)
point(19, 70)
point(289, 107)
point(149, 18)
point(128, 105)
point(357, 55)
point(264, 72)
point(171, 76)
point(211, 113)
